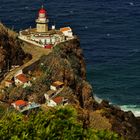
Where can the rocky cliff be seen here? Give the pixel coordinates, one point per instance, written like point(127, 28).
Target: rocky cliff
point(66, 63)
point(10, 50)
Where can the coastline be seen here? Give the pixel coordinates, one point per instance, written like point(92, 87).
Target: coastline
point(66, 63)
point(135, 109)
point(112, 41)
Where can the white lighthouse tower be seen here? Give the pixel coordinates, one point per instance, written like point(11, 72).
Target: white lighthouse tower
point(42, 21)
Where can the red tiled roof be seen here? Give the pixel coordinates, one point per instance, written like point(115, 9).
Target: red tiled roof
point(22, 78)
point(65, 29)
point(20, 102)
point(58, 100)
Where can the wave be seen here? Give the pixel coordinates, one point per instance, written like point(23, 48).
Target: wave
point(97, 99)
point(134, 108)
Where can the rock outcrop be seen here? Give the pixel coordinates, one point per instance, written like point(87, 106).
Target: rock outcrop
point(66, 63)
point(11, 52)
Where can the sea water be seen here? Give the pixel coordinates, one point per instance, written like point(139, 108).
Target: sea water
point(109, 32)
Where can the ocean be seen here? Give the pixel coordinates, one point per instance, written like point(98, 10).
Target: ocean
point(109, 33)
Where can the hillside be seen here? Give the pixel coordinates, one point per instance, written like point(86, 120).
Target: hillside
point(11, 53)
point(66, 63)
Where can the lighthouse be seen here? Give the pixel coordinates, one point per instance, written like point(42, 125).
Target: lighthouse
point(42, 21)
point(42, 36)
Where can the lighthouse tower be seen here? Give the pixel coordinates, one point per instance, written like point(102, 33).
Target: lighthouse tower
point(42, 21)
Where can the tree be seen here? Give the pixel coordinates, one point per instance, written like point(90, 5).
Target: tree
point(58, 123)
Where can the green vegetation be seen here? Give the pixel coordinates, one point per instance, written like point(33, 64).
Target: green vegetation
point(42, 67)
point(57, 124)
point(46, 77)
point(2, 110)
point(57, 49)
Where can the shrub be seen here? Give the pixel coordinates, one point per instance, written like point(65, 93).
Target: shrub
point(59, 123)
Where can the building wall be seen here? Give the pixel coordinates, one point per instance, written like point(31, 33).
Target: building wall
point(42, 27)
point(51, 103)
point(28, 84)
point(17, 82)
point(68, 33)
point(53, 88)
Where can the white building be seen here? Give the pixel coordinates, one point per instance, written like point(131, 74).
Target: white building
point(42, 21)
point(42, 35)
point(56, 85)
point(21, 79)
point(19, 104)
point(52, 102)
point(67, 31)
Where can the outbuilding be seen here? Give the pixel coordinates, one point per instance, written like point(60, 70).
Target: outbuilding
point(21, 79)
point(19, 104)
point(67, 31)
point(56, 85)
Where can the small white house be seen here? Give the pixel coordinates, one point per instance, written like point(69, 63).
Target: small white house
point(49, 101)
point(67, 31)
point(58, 100)
point(55, 101)
point(19, 104)
point(21, 79)
point(56, 85)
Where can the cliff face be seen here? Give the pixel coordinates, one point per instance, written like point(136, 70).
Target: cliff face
point(66, 63)
point(10, 50)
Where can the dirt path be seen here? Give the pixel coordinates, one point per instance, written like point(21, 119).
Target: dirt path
point(36, 53)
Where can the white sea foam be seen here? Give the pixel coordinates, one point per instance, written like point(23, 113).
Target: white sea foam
point(108, 34)
point(97, 99)
point(71, 12)
point(131, 3)
point(134, 108)
point(86, 27)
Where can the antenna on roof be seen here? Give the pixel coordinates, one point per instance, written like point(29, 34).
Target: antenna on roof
point(53, 26)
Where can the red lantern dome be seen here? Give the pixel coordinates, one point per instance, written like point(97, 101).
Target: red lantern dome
point(42, 11)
